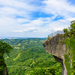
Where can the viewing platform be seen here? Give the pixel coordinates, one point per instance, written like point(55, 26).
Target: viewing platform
point(55, 33)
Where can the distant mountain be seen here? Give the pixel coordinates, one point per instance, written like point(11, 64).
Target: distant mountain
point(4, 37)
point(24, 43)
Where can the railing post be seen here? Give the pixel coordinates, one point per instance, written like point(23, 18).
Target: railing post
point(53, 34)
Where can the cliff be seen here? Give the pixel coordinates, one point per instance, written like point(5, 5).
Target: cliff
point(58, 50)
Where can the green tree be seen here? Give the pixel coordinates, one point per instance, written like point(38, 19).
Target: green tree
point(4, 48)
point(71, 43)
point(66, 31)
point(71, 30)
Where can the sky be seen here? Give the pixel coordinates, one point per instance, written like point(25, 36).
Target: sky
point(35, 18)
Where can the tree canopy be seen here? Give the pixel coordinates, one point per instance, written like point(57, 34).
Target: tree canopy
point(71, 30)
point(5, 48)
point(70, 41)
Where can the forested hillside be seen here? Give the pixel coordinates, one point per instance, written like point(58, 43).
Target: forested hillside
point(30, 58)
point(23, 44)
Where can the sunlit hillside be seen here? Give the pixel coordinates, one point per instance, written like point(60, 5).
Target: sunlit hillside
point(30, 58)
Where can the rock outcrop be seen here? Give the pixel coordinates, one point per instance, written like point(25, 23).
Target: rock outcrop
point(57, 49)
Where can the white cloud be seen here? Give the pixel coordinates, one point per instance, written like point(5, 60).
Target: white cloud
point(14, 8)
point(16, 16)
point(17, 30)
point(21, 20)
point(18, 4)
point(59, 7)
point(27, 29)
point(71, 19)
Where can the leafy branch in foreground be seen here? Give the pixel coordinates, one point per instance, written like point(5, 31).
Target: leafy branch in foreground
point(4, 48)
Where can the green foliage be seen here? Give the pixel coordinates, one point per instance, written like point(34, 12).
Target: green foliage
point(70, 40)
point(31, 60)
point(72, 29)
point(4, 48)
point(42, 71)
point(24, 44)
point(65, 30)
point(48, 38)
point(67, 63)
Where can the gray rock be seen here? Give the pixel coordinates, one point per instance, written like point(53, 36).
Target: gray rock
point(57, 49)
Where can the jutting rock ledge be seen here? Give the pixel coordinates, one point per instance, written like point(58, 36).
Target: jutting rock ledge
point(57, 49)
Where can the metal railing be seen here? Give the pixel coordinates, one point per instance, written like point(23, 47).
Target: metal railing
point(55, 33)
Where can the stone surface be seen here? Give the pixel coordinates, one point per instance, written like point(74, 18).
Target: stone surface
point(57, 49)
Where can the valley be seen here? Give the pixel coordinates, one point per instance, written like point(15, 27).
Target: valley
point(30, 58)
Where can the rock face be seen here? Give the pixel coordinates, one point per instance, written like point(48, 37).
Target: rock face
point(57, 49)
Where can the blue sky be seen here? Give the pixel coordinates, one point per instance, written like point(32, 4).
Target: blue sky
point(34, 18)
